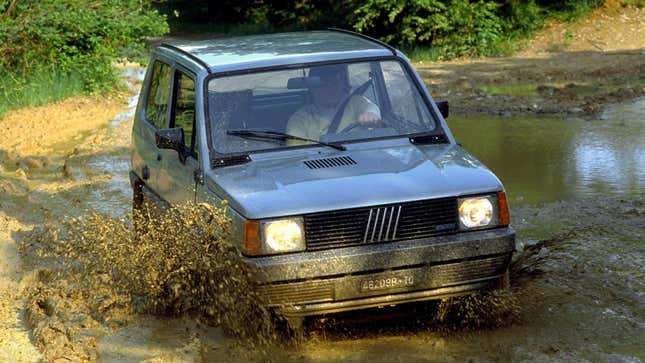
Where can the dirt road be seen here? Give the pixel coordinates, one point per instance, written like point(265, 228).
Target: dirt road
point(37, 187)
point(578, 291)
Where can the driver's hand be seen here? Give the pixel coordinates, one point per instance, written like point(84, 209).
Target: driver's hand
point(368, 118)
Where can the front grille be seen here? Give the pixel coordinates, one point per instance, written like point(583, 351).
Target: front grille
point(395, 222)
point(298, 292)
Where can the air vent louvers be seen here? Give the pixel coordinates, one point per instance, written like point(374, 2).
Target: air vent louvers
point(330, 162)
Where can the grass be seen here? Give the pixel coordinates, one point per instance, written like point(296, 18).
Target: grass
point(505, 47)
point(36, 88)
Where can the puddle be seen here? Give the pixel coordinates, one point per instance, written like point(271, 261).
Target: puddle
point(116, 194)
point(549, 159)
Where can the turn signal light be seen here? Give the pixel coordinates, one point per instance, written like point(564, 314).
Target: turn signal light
point(504, 215)
point(252, 242)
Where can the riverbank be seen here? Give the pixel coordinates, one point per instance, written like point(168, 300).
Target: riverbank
point(568, 69)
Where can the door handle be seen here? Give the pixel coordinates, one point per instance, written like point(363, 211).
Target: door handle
point(145, 173)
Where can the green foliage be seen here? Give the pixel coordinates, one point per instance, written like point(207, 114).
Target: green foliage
point(521, 17)
point(209, 11)
point(308, 14)
point(36, 87)
point(569, 10)
point(457, 27)
point(74, 39)
point(429, 29)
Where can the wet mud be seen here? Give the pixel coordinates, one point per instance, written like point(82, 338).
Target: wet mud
point(94, 274)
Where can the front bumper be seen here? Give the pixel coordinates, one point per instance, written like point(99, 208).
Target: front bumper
point(311, 283)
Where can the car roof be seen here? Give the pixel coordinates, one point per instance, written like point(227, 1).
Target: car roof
point(273, 50)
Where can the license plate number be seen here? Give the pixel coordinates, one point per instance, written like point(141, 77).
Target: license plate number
point(387, 283)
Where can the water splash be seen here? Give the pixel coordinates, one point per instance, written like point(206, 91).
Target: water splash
point(181, 265)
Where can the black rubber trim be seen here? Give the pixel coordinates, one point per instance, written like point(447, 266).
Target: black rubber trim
point(363, 36)
point(189, 55)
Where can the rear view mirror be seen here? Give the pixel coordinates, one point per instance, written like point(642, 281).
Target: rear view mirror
point(303, 82)
point(170, 139)
point(443, 108)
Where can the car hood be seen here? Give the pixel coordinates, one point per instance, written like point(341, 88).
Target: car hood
point(284, 186)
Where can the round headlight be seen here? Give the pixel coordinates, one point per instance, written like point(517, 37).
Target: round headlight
point(476, 212)
point(283, 235)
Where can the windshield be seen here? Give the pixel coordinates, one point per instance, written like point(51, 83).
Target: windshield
point(328, 103)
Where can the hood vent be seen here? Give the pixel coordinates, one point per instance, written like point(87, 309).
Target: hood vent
point(329, 162)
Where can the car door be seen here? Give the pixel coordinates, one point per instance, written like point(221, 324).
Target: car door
point(153, 116)
point(176, 180)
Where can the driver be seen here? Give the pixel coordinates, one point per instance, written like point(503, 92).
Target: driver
point(313, 120)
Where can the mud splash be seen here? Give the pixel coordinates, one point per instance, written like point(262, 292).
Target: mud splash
point(487, 310)
point(94, 275)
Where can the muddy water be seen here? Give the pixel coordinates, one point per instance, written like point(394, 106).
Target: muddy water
point(550, 159)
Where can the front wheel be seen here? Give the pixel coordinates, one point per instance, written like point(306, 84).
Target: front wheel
point(140, 212)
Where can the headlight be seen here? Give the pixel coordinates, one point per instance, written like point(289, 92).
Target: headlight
point(478, 212)
point(274, 236)
point(284, 235)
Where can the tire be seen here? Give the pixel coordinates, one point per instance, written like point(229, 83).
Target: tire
point(140, 212)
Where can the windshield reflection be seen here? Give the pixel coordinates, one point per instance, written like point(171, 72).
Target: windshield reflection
point(332, 103)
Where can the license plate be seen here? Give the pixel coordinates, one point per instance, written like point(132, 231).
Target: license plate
point(386, 283)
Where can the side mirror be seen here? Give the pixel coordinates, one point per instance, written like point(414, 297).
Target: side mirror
point(170, 139)
point(443, 108)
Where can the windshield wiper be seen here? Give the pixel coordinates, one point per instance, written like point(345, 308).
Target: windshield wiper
point(275, 135)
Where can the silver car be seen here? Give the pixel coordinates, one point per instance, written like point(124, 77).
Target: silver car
point(346, 201)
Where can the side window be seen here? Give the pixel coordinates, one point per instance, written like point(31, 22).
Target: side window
point(183, 114)
point(157, 103)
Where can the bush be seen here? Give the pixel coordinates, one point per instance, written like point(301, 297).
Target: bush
point(569, 10)
point(79, 37)
point(458, 27)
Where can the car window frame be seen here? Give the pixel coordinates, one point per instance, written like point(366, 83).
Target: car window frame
point(176, 69)
point(215, 154)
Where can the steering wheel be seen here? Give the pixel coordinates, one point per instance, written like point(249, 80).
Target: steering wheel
point(341, 109)
point(356, 124)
